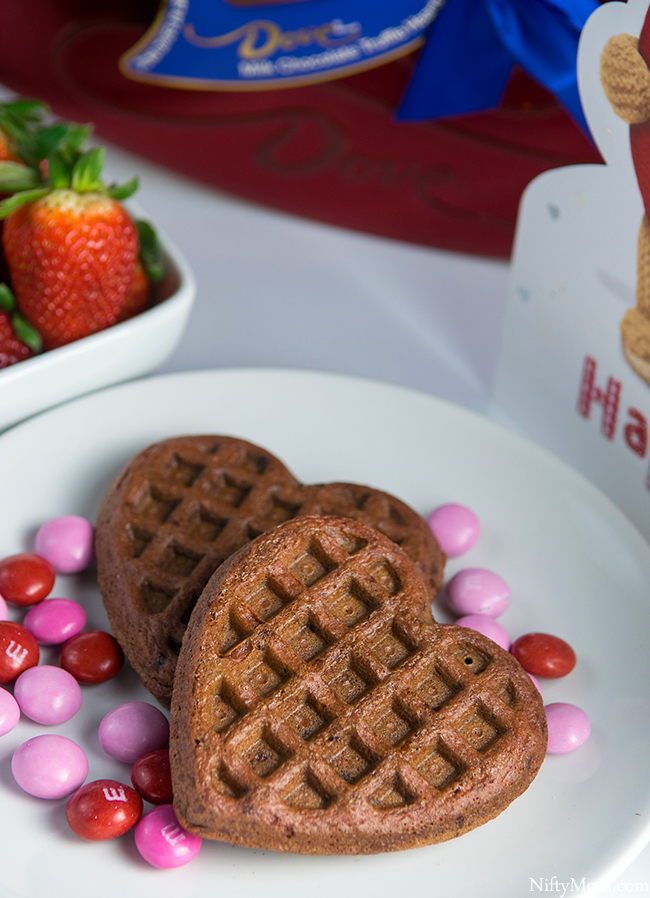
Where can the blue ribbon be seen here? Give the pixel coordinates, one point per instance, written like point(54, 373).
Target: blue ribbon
point(473, 45)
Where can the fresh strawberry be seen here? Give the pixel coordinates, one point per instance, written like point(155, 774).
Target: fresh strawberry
point(77, 261)
point(72, 250)
point(18, 340)
point(72, 259)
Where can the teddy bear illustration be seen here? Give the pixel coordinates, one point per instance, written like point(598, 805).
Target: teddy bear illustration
point(625, 78)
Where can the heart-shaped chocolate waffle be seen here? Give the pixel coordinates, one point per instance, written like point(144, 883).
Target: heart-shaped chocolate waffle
point(184, 505)
point(315, 712)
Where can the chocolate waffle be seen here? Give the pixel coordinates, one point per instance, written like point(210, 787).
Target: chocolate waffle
point(314, 711)
point(184, 505)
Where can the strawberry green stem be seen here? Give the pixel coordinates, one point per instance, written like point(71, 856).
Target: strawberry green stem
point(86, 171)
point(20, 121)
point(150, 254)
point(7, 299)
point(16, 176)
point(61, 146)
point(25, 332)
point(20, 199)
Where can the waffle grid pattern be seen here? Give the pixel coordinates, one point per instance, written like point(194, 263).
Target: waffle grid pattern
point(346, 694)
point(196, 509)
point(203, 501)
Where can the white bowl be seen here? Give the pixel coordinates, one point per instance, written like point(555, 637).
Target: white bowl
point(119, 353)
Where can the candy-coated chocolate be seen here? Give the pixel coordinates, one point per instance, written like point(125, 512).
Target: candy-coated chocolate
point(103, 809)
point(67, 543)
point(476, 590)
point(4, 611)
point(48, 694)
point(132, 730)
point(151, 776)
point(26, 578)
point(18, 651)
point(455, 527)
point(162, 841)
point(53, 621)
point(544, 655)
point(487, 626)
point(49, 766)
point(92, 657)
point(9, 712)
point(568, 727)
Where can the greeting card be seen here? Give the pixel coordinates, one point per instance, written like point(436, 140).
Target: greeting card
point(574, 369)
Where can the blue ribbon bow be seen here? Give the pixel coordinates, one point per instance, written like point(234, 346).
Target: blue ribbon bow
point(473, 45)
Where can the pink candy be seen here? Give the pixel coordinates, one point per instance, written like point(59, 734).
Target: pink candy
point(455, 527)
point(568, 727)
point(48, 694)
point(53, 621)
point(67, 543)
point(133, 729)
point(52, 766)
point(49, 766)
point(9, 712)
point(478, 591)
point(487, 626)
point(162, 841)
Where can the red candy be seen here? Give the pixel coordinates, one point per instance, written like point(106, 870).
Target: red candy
point(544, 655)
point(92, 656)
point(18, 651)
point(151, 776)
point(103, 810)
point(26, 578)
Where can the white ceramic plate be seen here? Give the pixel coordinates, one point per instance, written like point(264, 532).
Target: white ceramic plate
point(576, 567)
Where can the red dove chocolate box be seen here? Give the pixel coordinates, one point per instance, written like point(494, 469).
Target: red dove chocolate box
point(182, 506)
point(340, 721)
